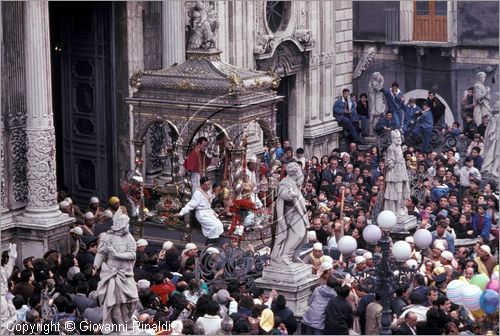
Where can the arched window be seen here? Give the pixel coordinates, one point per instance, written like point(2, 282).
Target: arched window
point(278, 15)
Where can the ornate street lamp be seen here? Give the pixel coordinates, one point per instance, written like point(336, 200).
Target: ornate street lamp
point(392, 272)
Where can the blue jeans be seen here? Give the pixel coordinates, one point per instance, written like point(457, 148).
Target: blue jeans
point(349, 127)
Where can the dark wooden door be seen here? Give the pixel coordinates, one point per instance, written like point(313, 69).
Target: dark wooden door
point(80, 39)
point(430, 21)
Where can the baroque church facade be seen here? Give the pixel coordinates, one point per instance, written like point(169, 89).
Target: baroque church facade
point(66, 70)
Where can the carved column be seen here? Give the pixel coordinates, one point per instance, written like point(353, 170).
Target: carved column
point(174, 36)
point(42, 188)
point(2, 154)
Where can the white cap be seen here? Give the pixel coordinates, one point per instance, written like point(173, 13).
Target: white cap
point(311, 235)
point(190, 246)
point(89, 215)
point(94, 200)
point(410, 240)
point(318, 247)
point(143, 284)
point(257, 301)
point(439, 245)
point(63, 204)
point(326, 258)
point(359, 260)
point(108, 214)
point(447, 255)
point(212, 250)
point(368, 255)
point(167, 245)
point(69, 200)
point(486, 249)
point(252, 159)
point(76, 230)
point(325, 266)
point(142, 242)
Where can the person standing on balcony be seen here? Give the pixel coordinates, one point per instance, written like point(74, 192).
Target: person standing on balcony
point(197, 162)
point(395, 102)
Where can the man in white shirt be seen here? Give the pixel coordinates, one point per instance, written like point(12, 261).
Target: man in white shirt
point(465, 173)
point(201, 201)
point(211, 321)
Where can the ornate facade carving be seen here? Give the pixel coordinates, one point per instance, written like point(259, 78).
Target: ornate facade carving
point(265, 43)
point(203, 25)
point(18, 150)
point(41, 177)
point(287, 59)
point(322, 58)
point(304, 36)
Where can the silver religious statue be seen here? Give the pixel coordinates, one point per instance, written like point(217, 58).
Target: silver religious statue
point(292, 221)
point(397, 188)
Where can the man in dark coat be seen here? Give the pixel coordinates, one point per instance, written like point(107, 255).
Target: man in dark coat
point(339, 314)
point(409, 325)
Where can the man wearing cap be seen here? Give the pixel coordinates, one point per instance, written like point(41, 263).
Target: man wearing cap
point(314, 258)
point(395, 102)
point(141, 247)
point(76, 242)
point(201, 201)
point(88, 225)
point(114, 205)
point(197, 162)
point(485, 261)
point(409, 120)
point(250, 171)
point(359, 265)
point(368, 259)
point(95, 208)
point(187, 256)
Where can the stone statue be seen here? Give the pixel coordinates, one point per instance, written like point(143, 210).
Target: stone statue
point(265, 43)
point(481, 98)
point(397, 188)
point(117, 290)
point(7, 309)
point(291, 220)
point(203, 26)
point(491, 150)
point(376, 101)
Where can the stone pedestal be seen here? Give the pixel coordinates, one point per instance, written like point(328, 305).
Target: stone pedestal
point(294, 282)
point(403, 227)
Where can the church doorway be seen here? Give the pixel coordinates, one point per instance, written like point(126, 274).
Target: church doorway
point(283, 113)
point(84, 112)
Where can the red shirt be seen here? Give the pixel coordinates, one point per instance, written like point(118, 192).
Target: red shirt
point(163, 291)
point(197, 161)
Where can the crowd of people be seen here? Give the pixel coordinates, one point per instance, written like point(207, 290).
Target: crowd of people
point(341, 190)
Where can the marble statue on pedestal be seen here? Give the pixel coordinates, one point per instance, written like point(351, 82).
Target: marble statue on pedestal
point(7, 310)
point(397, 188)
point(481, 98)
point(292, 221)
point(490, 168)
point(117, 290)
point(376, 101)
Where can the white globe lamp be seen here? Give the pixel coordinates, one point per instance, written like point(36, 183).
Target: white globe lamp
point(347, 245)
point(386, 220)
point(422, 238)
point(401, 250)
point(372, 233)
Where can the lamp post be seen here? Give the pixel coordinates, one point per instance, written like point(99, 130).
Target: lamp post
point(390, 273)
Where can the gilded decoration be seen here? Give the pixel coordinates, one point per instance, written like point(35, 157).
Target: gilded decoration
point(135, 80)
point(182, 85)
